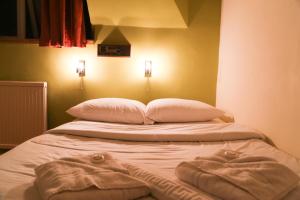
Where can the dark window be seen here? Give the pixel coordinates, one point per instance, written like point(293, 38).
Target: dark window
point(8, 18)
point(32, 18)
point(88, 26)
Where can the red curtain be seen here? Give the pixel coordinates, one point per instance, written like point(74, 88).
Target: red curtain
point(62, 23)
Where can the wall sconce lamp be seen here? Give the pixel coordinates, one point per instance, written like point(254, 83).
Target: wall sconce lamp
point(80, 69)
point(148, 68)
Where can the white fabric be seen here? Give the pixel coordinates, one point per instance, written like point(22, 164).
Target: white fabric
point(117, 110)
point(92, 177)
point(232, 175)
point(185, 132)
point(180, 110)
point(157, 159)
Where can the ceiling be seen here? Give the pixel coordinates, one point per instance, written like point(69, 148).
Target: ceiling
point(139, 13)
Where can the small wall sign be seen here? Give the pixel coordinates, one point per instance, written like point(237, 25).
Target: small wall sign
point(114, 50)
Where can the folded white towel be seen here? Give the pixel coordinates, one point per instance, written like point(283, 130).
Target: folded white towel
point(234, 176)
point(91, 177)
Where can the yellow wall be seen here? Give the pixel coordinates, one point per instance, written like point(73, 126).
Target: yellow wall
point(138, 13)
point(184, 64)
point(259, 73)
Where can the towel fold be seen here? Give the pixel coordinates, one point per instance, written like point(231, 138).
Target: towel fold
point(232, 175)
point(92, 177)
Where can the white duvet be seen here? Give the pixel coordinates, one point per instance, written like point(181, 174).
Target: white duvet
point(172, 132)
point(152, 153)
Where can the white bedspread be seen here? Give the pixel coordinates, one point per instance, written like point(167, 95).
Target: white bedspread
point(155, 149)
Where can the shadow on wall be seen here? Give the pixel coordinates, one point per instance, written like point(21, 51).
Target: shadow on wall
point(194, 8)
point(116, 37)
point(188, 9)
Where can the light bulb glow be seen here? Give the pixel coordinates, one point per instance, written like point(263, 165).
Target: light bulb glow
point(80, 70)
point(148, 68)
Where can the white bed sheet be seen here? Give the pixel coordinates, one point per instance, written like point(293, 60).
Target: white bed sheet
point(159, 158)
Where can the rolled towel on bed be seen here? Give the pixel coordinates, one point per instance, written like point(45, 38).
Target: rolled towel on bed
point(232, 175)
point(91, 177)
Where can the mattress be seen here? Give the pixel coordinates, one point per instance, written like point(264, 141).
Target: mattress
point(151, 152)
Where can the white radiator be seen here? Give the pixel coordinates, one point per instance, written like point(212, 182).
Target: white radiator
point(23, 111)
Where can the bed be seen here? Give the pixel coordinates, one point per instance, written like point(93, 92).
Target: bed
point(151, 151)
point(154, 144)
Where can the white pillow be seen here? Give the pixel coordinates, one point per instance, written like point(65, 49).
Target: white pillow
point(180, 110)
point(115, 110)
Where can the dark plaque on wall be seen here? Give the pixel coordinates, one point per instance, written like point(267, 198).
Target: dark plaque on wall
point(113, 50)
